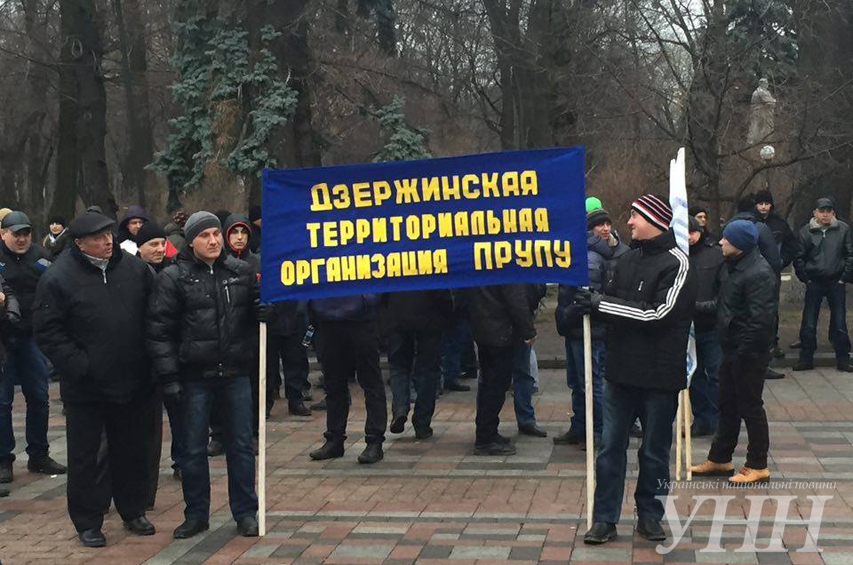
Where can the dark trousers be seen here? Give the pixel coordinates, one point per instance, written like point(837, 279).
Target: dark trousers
point(457, 350)
point(127, 453)
point(576, 380)
point(741, 388)
point(414, 357)
point(154, 434)
point(233, 396)
point(494, 381)
point(294, 360)
point(836, 296)
point(353, 346)
point(176, 425)
point(25, 365)
point(656, 410)
point(705, 385)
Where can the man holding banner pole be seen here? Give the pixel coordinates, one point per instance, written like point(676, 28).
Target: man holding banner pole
point(649, 306)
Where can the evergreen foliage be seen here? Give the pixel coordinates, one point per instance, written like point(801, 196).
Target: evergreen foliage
point(404, 141)
point(763, 37)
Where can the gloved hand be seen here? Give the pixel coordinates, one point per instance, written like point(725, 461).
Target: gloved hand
point(587, 300)
point(173, 393)
point(264, 311)
point(802, 276)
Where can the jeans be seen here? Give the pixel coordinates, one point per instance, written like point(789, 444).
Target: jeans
point(741, 390)
point(26, 365)
point(495, 378)
point(523, 383)
point(576, 381)
point(457, 350)
point(176, 425)
point(414, 357)
point(835, 294)
point(705, 385)
point(353, 347)
point(125, 466)
point(656, 410)
point(234, 398)
point(294, 361)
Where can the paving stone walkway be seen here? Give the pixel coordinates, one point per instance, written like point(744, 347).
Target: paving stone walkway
point(434, 503)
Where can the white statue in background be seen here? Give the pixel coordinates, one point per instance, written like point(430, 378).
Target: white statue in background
point(762, 118)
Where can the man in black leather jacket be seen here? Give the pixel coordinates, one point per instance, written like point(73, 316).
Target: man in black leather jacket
point(746, 310)
point(825, 262)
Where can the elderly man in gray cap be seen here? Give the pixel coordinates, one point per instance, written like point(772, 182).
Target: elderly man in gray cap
point(824, 262)
point(89, 319)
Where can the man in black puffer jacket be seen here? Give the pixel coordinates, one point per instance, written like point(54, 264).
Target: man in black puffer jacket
point(414, 352)
point(824, 263)
point(501, 320)
point(202, 338)
point(10, 314)
point(89, 320)
point(706, 257)
point(746, 310)
point(603, 251)
point(649, 307)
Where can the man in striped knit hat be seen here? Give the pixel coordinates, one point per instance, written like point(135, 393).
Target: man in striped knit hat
point(648, 306)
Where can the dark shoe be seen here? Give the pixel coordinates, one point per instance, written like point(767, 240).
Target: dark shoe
point(298, 408)
point(398, 424)
point(319, 406)
point(496, 448)
point(92, 538)
point(248, 527)
point(772, 375)
point(778, 353)
point(568, 438)
point(599, 533)
point(532, 430)
point(4, 492)
point(140, 526)
point(329, 450)
point(796, 345)
point(503, 439)
point(45, 466)
point(423, 433)
point(456, 387)
point(371, 454)
point(650, 529)
point(844, 366)
point(215, 448)
point(306, 395)
point(6, 474)
point(190, 528)
point(804, 365)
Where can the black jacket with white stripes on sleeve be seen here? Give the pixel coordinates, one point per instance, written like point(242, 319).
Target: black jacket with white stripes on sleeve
point(649, 305)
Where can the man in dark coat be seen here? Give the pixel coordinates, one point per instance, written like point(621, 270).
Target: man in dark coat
point(824, 263)
point(706, 258)
point(57, 236)
point(603, 251)
point(414, 353)
point(89, 319)
point(21, 264)
point(501, 320)
point(648, 306)
point(786, 241)
point(133, 219)
point(202, 338)
point(10, 315)
point(746, 309)
point(348, 326)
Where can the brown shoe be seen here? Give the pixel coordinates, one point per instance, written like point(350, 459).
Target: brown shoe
point(708, 468)
point(747, 476)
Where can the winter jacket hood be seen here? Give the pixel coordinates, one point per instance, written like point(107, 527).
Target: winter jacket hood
point(246, 254)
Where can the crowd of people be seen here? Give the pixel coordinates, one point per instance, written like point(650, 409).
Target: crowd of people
point(134, 318)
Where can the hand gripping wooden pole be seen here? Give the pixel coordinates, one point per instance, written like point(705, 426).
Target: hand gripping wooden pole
point(262, 430)
point(590, 446)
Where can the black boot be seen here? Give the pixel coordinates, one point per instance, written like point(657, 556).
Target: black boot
point(329, 450)
point(190, 528)
point(6, 474)
point(599, 533)
point(248, 527)
point(92, 538)
point(372, 454)
point(298, 408)
point(650, 529)
point(45, 465)
point(844, 366)
point(140, 526)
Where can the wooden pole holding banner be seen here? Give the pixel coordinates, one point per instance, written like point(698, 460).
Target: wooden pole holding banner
point(678, 422)
point(262, 430)
point(590, 446)
point(688, 455)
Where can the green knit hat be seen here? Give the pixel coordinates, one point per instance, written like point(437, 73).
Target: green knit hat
point(593, 203)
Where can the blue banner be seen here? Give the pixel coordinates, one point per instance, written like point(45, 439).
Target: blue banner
point(474, 220)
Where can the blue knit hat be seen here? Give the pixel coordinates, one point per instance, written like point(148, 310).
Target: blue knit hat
point(742, 235)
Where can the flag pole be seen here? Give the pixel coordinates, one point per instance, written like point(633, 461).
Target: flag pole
point(688, 455)
point(678, 421)
point(262, 430)
point(590, 446)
